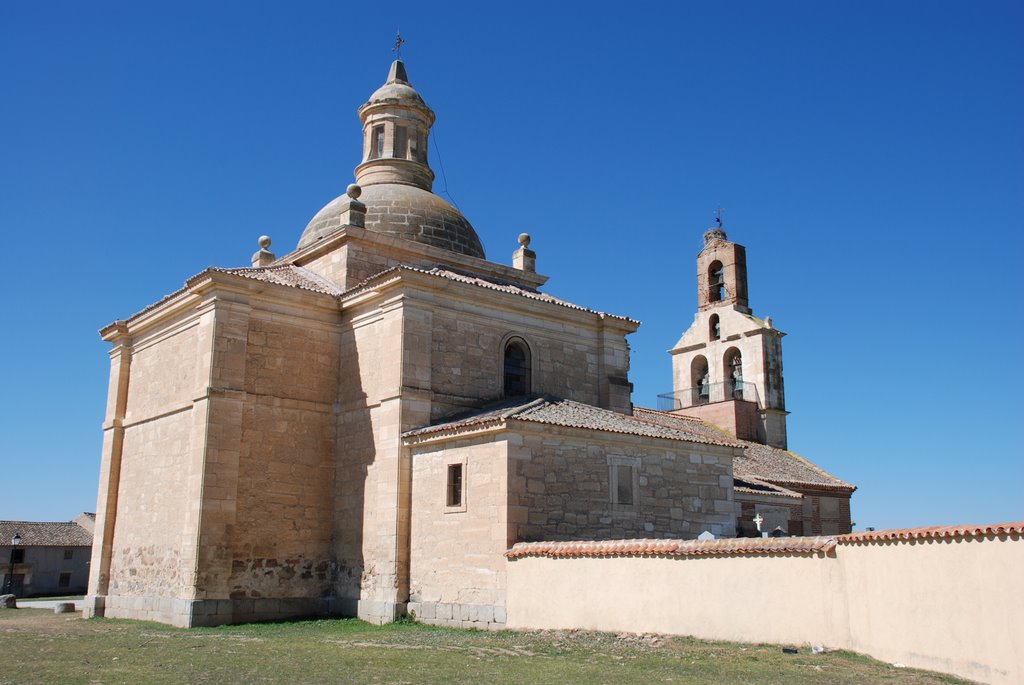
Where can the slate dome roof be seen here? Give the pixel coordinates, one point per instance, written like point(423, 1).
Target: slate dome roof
point(403, 211)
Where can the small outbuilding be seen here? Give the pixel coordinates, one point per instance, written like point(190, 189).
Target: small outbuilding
point(46, 557)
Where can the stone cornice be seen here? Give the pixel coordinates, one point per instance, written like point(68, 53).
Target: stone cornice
point(211, 283)
point(408, 250)
point(426, 281)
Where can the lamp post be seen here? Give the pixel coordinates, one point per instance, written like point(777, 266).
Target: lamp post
point(15, 541)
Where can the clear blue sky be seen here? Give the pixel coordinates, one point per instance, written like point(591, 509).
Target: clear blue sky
point(870, 156)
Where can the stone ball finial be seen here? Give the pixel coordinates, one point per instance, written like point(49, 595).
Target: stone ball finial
point(524, 239)
point(353, 191)
point(264, 241)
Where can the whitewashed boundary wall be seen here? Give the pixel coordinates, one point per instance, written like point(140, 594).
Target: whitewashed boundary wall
point(945, 599)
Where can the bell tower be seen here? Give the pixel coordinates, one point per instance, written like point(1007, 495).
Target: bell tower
point(727, 367)
point(721, 272)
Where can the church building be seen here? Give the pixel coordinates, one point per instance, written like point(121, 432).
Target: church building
point(365, 425)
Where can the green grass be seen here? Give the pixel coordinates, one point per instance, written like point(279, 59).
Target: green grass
point(41, 647)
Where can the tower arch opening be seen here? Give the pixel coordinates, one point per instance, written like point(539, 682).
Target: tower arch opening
point(714, 327)
point(700, 382)
point(733, 365)
point(716, 282)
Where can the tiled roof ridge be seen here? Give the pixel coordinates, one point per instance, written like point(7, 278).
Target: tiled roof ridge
point(325, 286)
point(781, 492)
point(773, 488)
point(648, 410)
point(12, 522)
point(834, 484)
point(544, 410)
point(492, 413)
point(784, 482)
point(45, 533)
point(554, 402)
point(1014, 529)
point(479, 281)
point(735, 442)
point(322, 285)
point(814, 467)
point(674, 548)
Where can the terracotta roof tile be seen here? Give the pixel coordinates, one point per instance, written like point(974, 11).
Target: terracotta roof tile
point(674, 548)
point(559, 412)
point(284, 274)
point(478, 281)
point(759, 461)
point(1015, 529)
point(45, 534)
point(756, 486)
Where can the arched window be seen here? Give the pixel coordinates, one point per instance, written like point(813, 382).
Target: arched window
point(716, 282)
point(714, 328)
point(700, 383)
point(517, 368)
point(733, 374)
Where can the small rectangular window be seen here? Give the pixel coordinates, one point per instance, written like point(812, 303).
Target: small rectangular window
point(377, 143)
point(64, 580)
point(18, 556)
point(624, 486)
point(623, 483)
point(69, 554)
point(401, 142)
point(414, 146)
point(454, 485)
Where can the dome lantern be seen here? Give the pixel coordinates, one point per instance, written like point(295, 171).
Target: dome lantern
point(395, 177)
point(396, 123)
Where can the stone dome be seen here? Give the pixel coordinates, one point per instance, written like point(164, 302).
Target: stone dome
point(397, 93)
point(403, 211)
point(395, 178)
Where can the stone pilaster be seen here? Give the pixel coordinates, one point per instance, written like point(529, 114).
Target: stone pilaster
point(217, 436)
point(110, 472)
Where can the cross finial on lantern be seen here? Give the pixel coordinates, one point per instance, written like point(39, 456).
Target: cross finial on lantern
point(399, 41)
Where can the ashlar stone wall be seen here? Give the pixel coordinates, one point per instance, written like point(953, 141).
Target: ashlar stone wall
point(561, 486)
point(281, 535)
point(574, 355)
point(369, 514)
point(525, 482)
point(151, 471)
point(457, 569)
point(215, 493)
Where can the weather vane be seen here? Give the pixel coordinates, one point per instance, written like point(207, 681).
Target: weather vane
point(718, 215)
point(398, 44)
